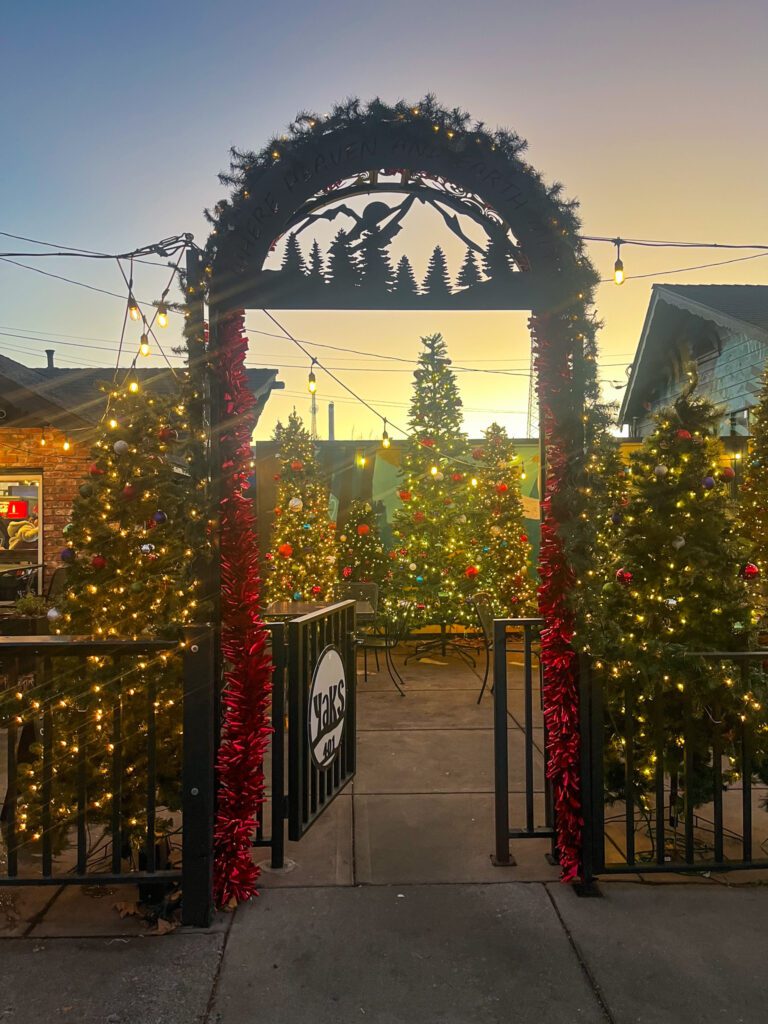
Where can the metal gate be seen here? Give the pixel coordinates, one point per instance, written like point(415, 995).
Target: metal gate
point(313, 694)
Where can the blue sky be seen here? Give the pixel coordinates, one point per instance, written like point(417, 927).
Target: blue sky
point(117, 118)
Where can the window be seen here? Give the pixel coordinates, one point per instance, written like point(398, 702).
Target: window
point(21, 534)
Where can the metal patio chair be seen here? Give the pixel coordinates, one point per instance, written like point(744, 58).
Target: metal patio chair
point(386, 637)
point(18, 582)
point(483, 605)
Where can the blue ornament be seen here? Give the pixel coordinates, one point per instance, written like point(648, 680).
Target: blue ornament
point(67, 555)
point(419, 579)
point(306, 526)
point(160, 517)
point(297, 596)
point(486, 549)
point(503, 543)
point(708, 483)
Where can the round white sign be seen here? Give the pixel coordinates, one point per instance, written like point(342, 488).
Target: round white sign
point(327, 707)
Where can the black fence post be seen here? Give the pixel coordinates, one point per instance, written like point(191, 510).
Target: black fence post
point(591, 743)
point(278, 744)
point(502, 856)
point(198, 776)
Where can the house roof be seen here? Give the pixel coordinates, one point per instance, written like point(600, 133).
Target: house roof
point(739, 307)
point(66, 396)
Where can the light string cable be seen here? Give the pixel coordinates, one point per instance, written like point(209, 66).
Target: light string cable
point(125, 321)
point(385, 419)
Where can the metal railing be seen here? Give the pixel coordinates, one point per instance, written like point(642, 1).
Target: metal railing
point(669, 792)
point(195, 783)
point(505, 641)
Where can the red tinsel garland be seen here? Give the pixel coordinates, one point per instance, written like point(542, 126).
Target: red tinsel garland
point(559, 660)
point(248, 679)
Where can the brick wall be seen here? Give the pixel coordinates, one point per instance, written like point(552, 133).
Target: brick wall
point(62, 473)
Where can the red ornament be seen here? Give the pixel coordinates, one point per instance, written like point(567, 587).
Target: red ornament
point(98, 561)
point(523, 538)
point(750, 571)
point(471, 571)
point(502, 488)
point(94, 470)
point(428, 442)
point(624, 576)
point(346, 572)
point(478, 453)
point(317, 590)
point(278, 510)
point(297, 465)
point(363, 528)
point(269, 556)
point(286, 550)
point(684, 435)
point(167, 434)
point(419, 517)
point(456, 477)
point(405, 495)
point(727, 473)
point(129, 492)
point(276, 476)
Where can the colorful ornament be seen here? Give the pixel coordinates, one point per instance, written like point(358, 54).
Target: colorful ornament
point(85, 490)
point(419, 517)
point(428, 442)
point(495, 531)
point(120, 447)
point(295, 504)
point(523, 538)
point(137, 586)
point(286, 550)
point(502, 488)
point(68, 529)
point(160, 517)
point(477, 453)
point(413, 567)
point(684, 435)
point(405, 495)
point(616, 518)
point(419, 579)
point(624, 576)
point(147, 549)
point(52, 614)
point(95, 470)
point(67, 555)
point(750, 571)
point(297, 465)
point(671, 602)
point(727, 473)
point(439, 475)
point(168, 434)
point(346, 572)
point(471, 571)
point(306, 526)
point(456, 477)
point(297, 595)
point(708, 483)
point(678, 542)
point(661, 471)
point(98, 561)
point(129, 492)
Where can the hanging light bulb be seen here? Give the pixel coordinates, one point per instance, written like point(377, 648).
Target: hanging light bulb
point(43, 441)
point(522, 471)
point(66, 446)
point(385, 439)
point(312, 380)
point(162, 315)
point(133, 387)
point(133, 308)
point(144, 346)
point(618, 266)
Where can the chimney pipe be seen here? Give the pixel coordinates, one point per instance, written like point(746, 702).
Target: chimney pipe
point(331, 422)
point(50, 352)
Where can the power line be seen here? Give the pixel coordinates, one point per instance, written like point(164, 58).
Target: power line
point(685, 270)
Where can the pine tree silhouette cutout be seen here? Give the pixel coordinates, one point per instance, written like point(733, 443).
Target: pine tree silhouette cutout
point(437, 283)
point(469, 274)
point(316, 270)
point(342, 269)
point(374, 264)
point(293, 260)
point(405, 279)
point(496, 261)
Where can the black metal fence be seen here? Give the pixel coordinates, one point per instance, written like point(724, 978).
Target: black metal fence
point(520, 726)
point(655, 801)
point(61, 850)
point(311, 788)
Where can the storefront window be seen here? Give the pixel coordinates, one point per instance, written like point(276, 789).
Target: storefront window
point(21, 535)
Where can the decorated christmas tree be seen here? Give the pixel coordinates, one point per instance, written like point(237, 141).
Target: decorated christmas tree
point(137, 523)
point(432, 560)
point(753, 504)
point(680, 584)
point(362, 558)
point(301, 562)
point(501, 550)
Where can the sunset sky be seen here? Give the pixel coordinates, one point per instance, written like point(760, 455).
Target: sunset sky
point(116, 120)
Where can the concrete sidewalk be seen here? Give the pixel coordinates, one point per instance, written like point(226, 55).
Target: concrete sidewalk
point(420, 954)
